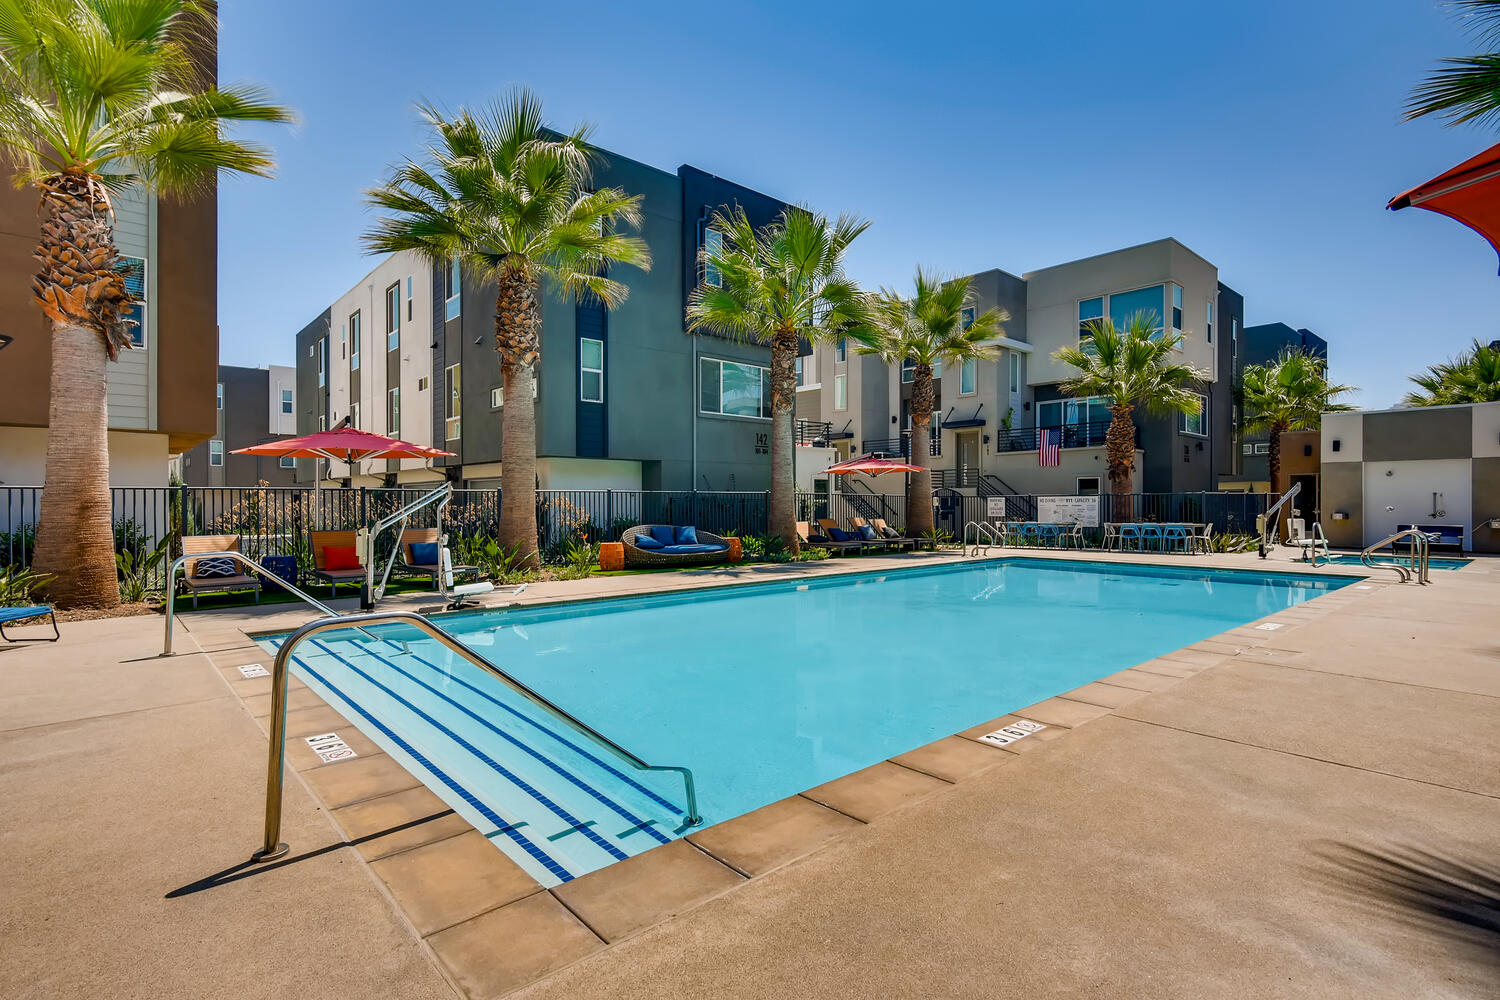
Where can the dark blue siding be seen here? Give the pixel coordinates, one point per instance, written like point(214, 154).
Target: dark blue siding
point(592, 436)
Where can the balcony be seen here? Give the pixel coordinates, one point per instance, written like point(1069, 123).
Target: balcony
point(1090, 435)
point(900, 447)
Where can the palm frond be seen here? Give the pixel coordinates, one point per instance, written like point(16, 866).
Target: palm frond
point(1135, 364)
point(1464, 88)
point(1291, 392)
point(1472, 377)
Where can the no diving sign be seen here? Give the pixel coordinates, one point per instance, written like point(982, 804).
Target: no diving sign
point(1018, 730)
point(330, 748)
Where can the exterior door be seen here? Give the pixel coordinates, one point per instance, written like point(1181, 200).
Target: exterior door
point(968, 457)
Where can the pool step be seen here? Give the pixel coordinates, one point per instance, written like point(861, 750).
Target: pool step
point(555, 800)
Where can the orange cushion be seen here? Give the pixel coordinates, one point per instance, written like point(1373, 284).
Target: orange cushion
point(340, 557)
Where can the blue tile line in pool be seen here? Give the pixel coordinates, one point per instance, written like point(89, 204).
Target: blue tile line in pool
point(523, 717)
point(502, 825)
point(635, 821)
point(536, 794)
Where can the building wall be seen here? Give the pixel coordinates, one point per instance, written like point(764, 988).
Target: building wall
point(135, 458)
point(251, 401)
point(312, 393)
point(1259, 345)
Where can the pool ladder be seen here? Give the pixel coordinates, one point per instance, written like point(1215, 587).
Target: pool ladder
point(983, 533)
point(1417, 569)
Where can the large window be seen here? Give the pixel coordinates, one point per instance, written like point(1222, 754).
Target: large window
point(354, 325)
point(1121, 307)
point(393, 411)
point(841, 392)
point(967, 315)
point(453, 385)
point(452, 291)
point(713, 243)
point(393, 317)
point(1015, 372)
point(133, 269)
point(967, 370)
point(1195, 423)
point(733, 389)
point(216, 453)
point(909, 370)
point(1177, 309)
point(1073, 412)
point(590, 370)
point(286, 401)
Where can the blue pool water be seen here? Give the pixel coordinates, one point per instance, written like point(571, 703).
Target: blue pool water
point(763, 691)
point(1433, 562)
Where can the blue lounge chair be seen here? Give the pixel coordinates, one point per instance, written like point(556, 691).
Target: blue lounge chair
point(13, 615)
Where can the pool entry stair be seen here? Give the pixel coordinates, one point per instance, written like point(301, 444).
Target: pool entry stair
point(557, 796)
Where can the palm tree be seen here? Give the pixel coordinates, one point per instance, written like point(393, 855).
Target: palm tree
point(922, 330)
point(99, 96)
point(1132, 367)
point(1472, 377)
point(1467, 88)
point(776, 286)
point(511, 200)
point(1291, 393)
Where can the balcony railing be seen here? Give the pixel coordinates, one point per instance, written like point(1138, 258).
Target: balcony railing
point(1090, 435)
point(812, 433)
point(900, 446)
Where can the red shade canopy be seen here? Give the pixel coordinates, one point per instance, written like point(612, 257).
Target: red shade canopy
point(1469, 193)
point(344, 444)
point(870, 467)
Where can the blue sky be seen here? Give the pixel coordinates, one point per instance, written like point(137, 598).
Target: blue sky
point(1265, 136)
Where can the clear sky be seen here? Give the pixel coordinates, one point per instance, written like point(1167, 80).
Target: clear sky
point(1265, 136)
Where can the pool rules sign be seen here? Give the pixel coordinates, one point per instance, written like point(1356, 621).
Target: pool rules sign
point(330, 748)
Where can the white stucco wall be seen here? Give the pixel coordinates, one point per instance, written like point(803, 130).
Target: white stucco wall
point(135, 459)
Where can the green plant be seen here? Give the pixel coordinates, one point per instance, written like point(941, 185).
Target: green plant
point(938, 536)
point(1472, 377)
point(130, 537)
point(812, 553)
point(1010, 415)
point(579, 560)
point(138, 570)
point(16, 547)
point(17, 584)
point(1233, 542)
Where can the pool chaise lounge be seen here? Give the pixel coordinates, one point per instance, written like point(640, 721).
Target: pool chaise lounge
point(13, 615)
point(669, 545)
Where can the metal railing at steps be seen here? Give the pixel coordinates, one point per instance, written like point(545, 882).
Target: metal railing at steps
point(1419, 556)
point(248, 563)
point(1318, 544)
point(272, 847)
point(983, 533)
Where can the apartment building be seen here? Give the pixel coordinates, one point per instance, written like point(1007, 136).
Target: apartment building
point(625, 399)
point(984, 431)
point(253, 406)
point(1260, 345)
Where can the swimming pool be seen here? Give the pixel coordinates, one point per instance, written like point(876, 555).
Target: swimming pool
point(1433, 562)
point(763, 690)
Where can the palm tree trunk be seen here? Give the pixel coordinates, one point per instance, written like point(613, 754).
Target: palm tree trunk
point(75, 537)
point(518, 320)
point(1119, 450)
point(781, 516)
point(919, 520)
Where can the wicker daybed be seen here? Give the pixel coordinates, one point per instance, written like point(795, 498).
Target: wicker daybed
point(710, 548)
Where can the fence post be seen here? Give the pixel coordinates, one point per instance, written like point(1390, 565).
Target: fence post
point(363, 510)
point(609, 513)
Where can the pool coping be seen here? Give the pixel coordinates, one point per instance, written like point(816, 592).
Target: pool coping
point(460, 900)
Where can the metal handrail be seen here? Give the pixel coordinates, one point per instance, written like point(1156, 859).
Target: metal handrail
point(166, 644)
point(1421, 543)
point(372, 594)
point(1317, 535)
point(272, 847)
point(992, 536)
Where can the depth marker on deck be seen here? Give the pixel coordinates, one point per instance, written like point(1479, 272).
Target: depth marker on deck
point(1018, 730)
point(253, 670)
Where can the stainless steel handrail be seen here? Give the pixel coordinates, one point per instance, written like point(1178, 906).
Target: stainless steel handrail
point(166, 645)
point(272, 847)
point(1420, 569)
point(1271, 519)
point(982, 528)
point(1317, 536)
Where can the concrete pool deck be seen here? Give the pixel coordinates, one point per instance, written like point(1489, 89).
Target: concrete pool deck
point(1193, 839)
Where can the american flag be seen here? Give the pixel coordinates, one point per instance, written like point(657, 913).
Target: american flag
point(1049, 447)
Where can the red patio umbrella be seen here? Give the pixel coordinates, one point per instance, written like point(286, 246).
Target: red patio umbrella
point(1469, 193)
point(345, 444)
point(865, 465)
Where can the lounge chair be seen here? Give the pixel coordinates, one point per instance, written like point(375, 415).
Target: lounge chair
point(343, 546)
point(411, 562)
point(823, 541)
point(669, 545)
point(853, 541)
point(193, 570)
point(13, 615)
point(893, 536)
point(879, 541)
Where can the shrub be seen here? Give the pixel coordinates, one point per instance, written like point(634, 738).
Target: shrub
point(16, 586)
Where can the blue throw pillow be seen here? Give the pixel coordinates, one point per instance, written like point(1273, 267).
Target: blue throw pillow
point(840, 535)
point(867, 533)
point(664, 533)
point(424, 553)
point(687, 535)
point(646, 542)
point(208, 569)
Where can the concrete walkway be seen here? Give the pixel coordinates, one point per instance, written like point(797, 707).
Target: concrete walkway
point(1201, 840)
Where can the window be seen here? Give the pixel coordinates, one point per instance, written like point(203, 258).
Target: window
point(1210, 327)
point(393, 317)
point(1195, 423)
point(219, 396)
point(453, 385)
point(1121, 308)
point(841, 392)
point(452, 291)
point(288, 462)
point(393, 411)
point(408, 298)
point(797, 367)
point(909, 370)
point(590, 370)
point(966, 372)
point(1088, 310)
point(323, 362)
point(733, 389)
point(286, 401)
point(354, 415)
point(133, 269)
point(497, 397)
point(967, 315)
point(1015, 372)
point(216, 453)
point(713, 243)
point(1247, 448)
point(1177, 309)
point(1088, 486)
point(841, 350)
point(354, 338)
point(322, 423)
point(343, 341)
point(422, 384)
point(1073, 412)
point(1263, 448)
